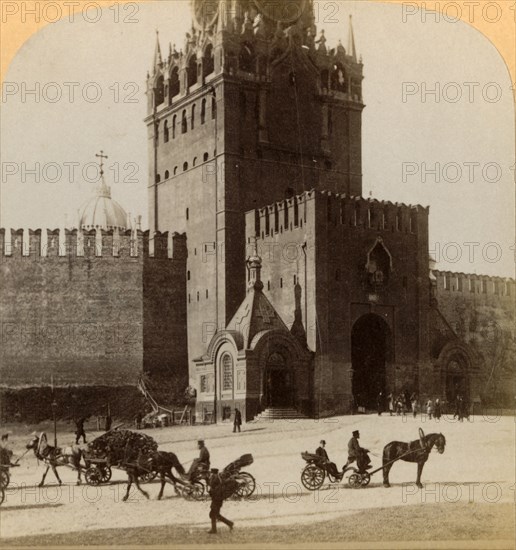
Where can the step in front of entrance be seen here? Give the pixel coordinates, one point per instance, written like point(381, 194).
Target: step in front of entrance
point(278, 414)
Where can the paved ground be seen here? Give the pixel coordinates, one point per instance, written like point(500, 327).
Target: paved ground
point(477, 469)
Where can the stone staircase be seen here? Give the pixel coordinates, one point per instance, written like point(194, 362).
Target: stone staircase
point(276, 413)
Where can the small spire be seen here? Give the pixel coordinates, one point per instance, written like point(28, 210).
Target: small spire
point(158, 60)
point(254, 264)
point(352, 51)
point(102, 190)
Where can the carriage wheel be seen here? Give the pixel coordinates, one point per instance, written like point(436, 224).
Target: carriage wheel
point(312, 477)
point(2, 495)
point(147, 477)
point(197, 491)
point(93, 476)
point(4, 478)
point(355, 480)
point(105, 472)
point(366, 478)
point(247, 486)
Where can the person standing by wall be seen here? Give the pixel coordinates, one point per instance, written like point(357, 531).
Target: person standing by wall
point(237, 422)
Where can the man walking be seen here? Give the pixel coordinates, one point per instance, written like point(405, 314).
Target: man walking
point(79, 432)
point(379, 403)
point(219, 491)
point(237, 422)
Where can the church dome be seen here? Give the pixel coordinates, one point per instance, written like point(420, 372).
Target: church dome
point(102, 212)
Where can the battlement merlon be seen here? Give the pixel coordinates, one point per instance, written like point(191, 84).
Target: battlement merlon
point(352, 211)
point(472, 283)
point(59, 243)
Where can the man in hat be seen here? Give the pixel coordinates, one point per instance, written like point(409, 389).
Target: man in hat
point(358, 453)
point(330, 467)
point(219, 490)
point(203, 461)
point(237, 422)
point(79, 432)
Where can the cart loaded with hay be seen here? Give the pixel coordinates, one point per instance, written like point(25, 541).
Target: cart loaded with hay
point(117, 449)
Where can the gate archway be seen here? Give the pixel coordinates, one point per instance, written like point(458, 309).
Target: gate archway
point(371, 345)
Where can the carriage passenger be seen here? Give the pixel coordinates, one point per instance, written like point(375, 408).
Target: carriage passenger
point(203, 462)
point(330, 467)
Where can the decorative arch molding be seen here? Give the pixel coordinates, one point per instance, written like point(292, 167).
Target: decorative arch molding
point(221, 338)
point(456, 350)
point(379, 241)
point(268, 341)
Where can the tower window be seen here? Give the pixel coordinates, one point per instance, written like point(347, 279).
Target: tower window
point(175, 170)
point(208, 60)
point(192, 71)
point(203, 111)
point(189, 298)
point(167, 174)
point(187, 214)
point(295, 280)
point(213, 107)
point(174, 82)
point(281, 283)
point(184, 123)
point(188, 275)
point(174, 121)
point(158, 178)
point(197, 296)
point(205, 157)
point(194, 161)
point(192, 122)
point(165, 132)
point(268, 285)
point(206, 294)
point(185, 166)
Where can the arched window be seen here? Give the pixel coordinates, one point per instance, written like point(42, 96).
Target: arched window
point(246, 58)
point(174, 82)
point(158, 178)
point(194, 163)
point(175, 170)
point(185, 166)
point(192, 122)
point(339, 78)
point(174, 121)
point(184, 123)
point(187, 214)
point(167, 174)
point(165, 132)
point(188, 275)
point(213, 107)
point(159, 91)
point(192, 71)
point(203, 111)
point(205, 157)
point(208, 61)
point(226, 372)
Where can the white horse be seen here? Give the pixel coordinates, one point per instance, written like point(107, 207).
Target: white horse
point(55, 456)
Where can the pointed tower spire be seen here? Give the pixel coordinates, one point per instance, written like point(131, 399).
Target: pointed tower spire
point(254, 264)
point(158, 60)
point(352, 51)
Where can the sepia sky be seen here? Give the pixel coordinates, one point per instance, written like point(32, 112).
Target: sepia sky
point(466, 126)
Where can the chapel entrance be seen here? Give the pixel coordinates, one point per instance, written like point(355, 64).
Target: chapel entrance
point(370, 351)
point(456, 380)
point(278, 390)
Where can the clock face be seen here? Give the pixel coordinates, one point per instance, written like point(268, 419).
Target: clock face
point(205, 12)
point(284, 11)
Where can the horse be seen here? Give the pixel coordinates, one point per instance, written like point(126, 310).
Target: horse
point(415, 451)
point(161, 462)
point(55, 456)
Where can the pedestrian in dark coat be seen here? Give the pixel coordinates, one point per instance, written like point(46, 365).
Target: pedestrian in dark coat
point(380, 403)
point(237, 422)
point(220, 490)
point(79, 432)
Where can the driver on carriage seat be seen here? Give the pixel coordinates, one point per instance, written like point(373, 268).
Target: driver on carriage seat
point(358, 453)
point(330, 467)
point(202, 462)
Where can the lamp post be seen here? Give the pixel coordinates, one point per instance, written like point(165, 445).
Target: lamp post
point(54, 409)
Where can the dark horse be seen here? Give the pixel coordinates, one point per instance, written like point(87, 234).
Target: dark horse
point(55, 456)
point(159, 461)
point(415, 451)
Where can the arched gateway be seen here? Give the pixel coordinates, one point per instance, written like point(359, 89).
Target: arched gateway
point(371, 345)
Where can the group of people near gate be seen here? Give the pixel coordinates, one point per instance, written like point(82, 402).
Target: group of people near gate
point(406, 402)
point(356, 453)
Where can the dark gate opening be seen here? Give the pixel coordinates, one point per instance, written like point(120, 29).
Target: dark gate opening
point(370, 351)
point(278, 382)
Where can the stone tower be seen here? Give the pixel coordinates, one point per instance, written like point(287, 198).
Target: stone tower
point(254, 108)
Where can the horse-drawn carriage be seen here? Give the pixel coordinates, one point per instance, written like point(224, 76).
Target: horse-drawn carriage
point(246, 484)
point(118, 449)
point(315, 471)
